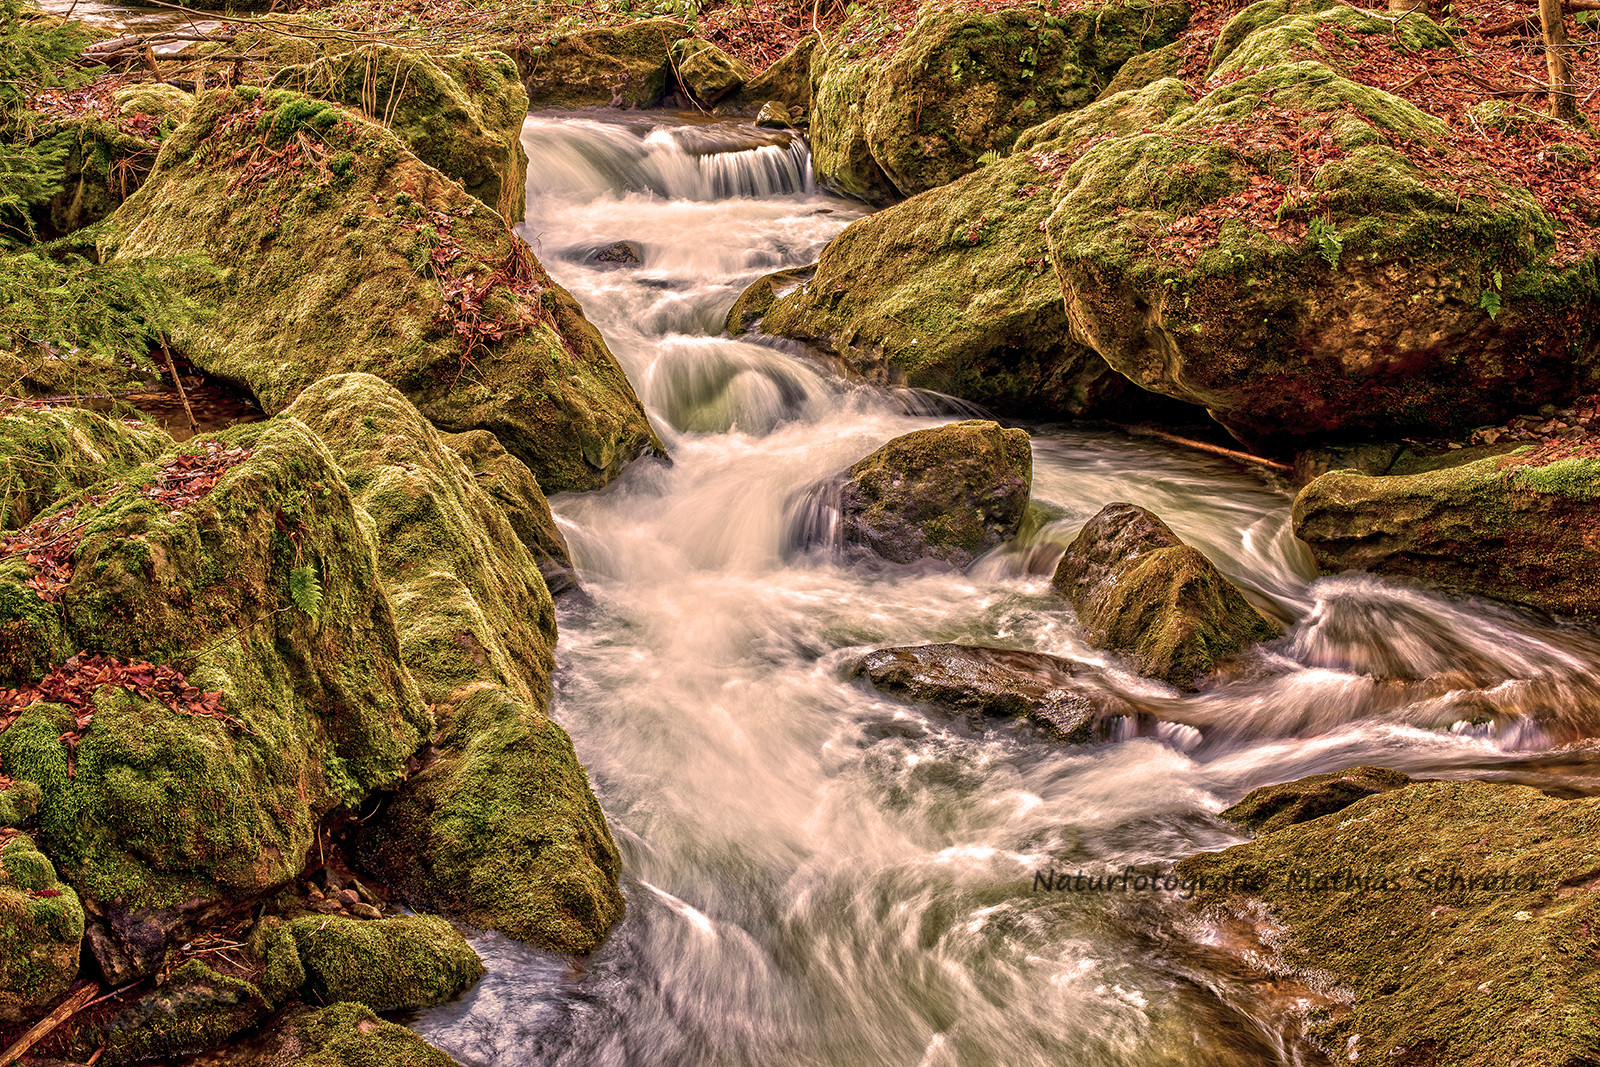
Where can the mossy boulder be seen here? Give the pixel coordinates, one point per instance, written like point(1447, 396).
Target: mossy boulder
point(167, 104)
point(1000, 683)
point(613, 66)
point(961, 83)
point(1270, 32)
point(1142, 592)
point(1272, 807)
point(460, 114)
point(195, 1009)
point(1381, 293)
point(953, 290)
point(47, 455)
point(163, 803)
point(41, 929)
point(785, 84)
point(103, 163)
point(707, 71)
point(950, 493)
point(341, 1035)
point(420, 961)
point(512, 486)
point(1520, 527)
point(19, 802)
point(273, 947)
point(1417, 903)
point(363, 258)
point(500, 826)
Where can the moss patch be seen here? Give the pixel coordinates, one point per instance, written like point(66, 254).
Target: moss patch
point(387, 964)
point(46, 456)
point(41, 928)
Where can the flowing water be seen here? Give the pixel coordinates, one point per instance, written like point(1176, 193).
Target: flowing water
point(819, 875)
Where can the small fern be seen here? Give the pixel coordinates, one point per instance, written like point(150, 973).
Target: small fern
point(989, 157)
point(1329, 243)
point(305, 589)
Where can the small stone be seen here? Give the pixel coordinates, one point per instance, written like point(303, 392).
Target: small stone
point(362, 910)
point(326, 907)
point(1454, 445)
point(348, 897)
point(314, 895)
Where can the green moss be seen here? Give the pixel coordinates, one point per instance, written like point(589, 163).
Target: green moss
point(273, 947)
point(1437, 972)
point(304, 295)
point(19, 803)
point(387, 964)
point(621, 66)
point(41, 927)
point(194, 1010)
point(47, 455)
point(350, 1035)
point(1576, 478)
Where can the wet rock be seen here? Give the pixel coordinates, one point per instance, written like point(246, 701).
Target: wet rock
point(950, 493)
point(1518, 527)
point(499, 827)
point(1376, 901)
point(41, 928)
point(1368, 458)
point(998, 683)
point(706, 70)
point(461, 114)
point(620, 66)
point(415, 962)
point(785, 86)
point(615, 256)
point(1351, 318)
point(341, 1035)
point(1142, 592)
point(169, 802)
point(954, 291)
point(130, 943)
point(774, 116)
point(360, 261)
point(962, 83)
point(1272, 807)
point(758, 299)
point(196, 1009)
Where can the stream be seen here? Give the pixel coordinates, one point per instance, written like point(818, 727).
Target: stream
point(819, 875)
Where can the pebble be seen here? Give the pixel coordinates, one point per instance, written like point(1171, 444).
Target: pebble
point(349, 897)
point(365, 911)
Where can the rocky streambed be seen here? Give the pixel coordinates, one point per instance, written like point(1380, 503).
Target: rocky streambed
point(621, 631)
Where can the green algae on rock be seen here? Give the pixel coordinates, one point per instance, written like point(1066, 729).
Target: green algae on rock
point(950, 493)
point(355, 255)
point(41, 929)
point(460, 114)
point(1519, 527)
point(1388, 295)
point(953, 290)
point(47, 455)
point(706, 70)
point(156, 807)
point(1437, 971)
point(1272, 807)
point(419, 961)
point(1142, 592)
point(500, 826)
point(613, 66)
point(963, 83)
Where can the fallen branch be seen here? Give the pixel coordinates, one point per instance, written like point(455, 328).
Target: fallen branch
point(1201, 446)
point(42, 1029)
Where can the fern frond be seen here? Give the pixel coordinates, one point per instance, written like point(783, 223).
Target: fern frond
point(305, 589)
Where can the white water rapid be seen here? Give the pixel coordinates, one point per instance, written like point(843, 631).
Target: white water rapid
point(818, 875)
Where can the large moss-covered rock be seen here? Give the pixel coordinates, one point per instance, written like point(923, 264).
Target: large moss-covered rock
point(420, 961)
point(47, 455)
point(1375, 900)
point(706, 70)
point(997, 683)
point(1381, 292)
point(1140, 591)
point(902, 120)
point(353, 254)
point(195, 1009)
point(163, 802)
point(950, 493)
point(614, 66)
point(786, 83)
point(460, 114)
point(500, 826)
point(340, 1035)
point(1272, 807)
point(41, 928)
point(953, 290)
point(511, 485)
point(1520, 527)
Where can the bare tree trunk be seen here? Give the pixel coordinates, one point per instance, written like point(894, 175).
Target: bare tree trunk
point(1563, 102)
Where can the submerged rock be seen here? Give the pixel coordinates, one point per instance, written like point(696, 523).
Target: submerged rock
point(1272, 807)
point(1142, 592)
point(998, 683)
point(616, 255)
point(46, 456)
point(362, 257)
point(499, 827)
point(953, 290)
point(1459, 916)
point(961, 83)
point(1519, 527)
point(706, 70)
point(1387, 295)
point(41, 929)
point(620, 66)
point(950, 493)
point(420, 961)
point(460, 114)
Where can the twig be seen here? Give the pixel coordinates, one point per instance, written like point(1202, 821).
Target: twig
point(42, 1029)
point(1216, 450)
point(166, 353)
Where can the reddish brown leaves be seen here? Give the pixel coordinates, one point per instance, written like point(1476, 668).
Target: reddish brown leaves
point(189, 477)
point(47, 546)
point(76, 681)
